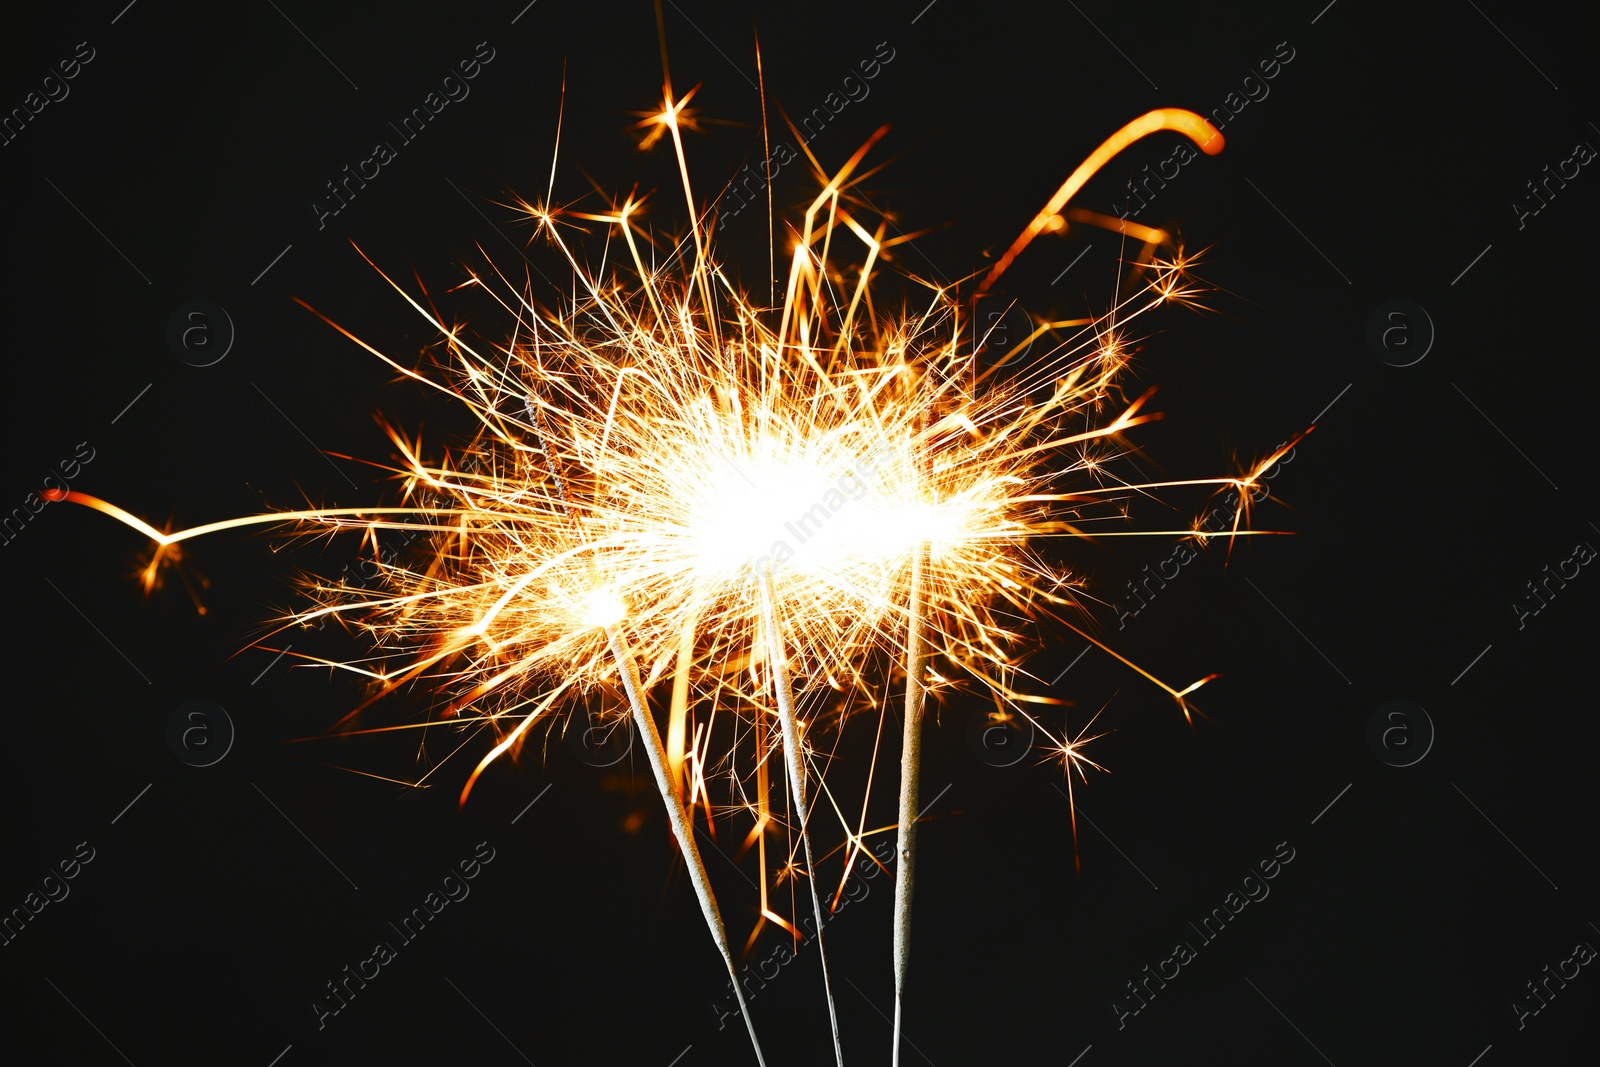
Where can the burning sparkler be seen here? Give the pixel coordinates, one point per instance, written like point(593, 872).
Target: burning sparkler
point(762, 503)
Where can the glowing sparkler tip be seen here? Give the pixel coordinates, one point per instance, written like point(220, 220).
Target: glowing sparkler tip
point(602, 608)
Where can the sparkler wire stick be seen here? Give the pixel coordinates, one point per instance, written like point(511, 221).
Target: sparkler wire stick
point(1210, 141)
point(682, 829)
point(660, 765)
point(910, 782)
point(797, 779)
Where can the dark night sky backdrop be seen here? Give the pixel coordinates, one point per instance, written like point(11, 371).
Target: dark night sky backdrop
point(1395, 140)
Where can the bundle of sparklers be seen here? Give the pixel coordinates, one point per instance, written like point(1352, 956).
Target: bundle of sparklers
point(705, 505)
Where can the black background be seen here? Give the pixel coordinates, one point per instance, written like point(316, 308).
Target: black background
point(187, 157)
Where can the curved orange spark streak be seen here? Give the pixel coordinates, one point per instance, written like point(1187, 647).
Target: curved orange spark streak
point(1192, 126)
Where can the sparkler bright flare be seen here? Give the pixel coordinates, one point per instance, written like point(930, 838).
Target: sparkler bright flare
point(770, 505)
